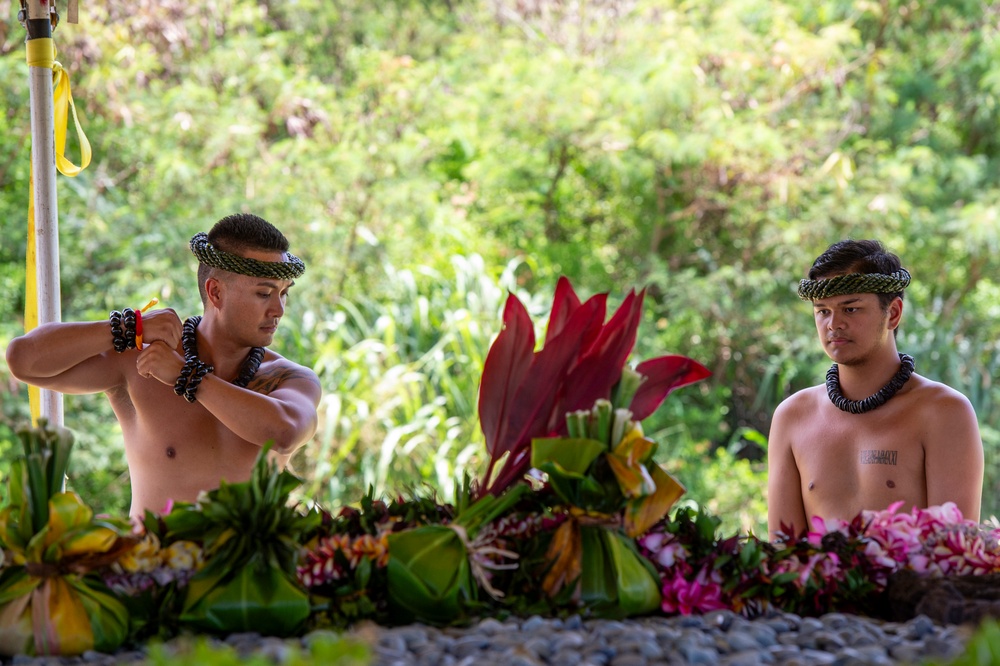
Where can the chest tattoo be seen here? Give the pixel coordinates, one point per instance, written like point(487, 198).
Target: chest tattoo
point(878, 457)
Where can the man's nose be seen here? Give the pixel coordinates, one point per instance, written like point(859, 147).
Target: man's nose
point(835, 323)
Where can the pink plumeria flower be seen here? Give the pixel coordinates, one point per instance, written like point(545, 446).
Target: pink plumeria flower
point(700, 595)
point(665, 548)
point(823, 526)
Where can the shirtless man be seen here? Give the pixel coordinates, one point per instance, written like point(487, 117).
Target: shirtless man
point(186, 418)
point(876, 432)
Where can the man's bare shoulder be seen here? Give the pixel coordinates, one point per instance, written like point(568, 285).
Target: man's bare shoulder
point(277, 371)
point(800, 403)
point(794, 416)
point(929, 393)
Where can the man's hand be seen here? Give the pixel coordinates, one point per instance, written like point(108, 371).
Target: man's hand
point(159, 361)
point(162, 325)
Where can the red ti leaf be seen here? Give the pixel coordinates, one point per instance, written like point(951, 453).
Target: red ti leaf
point(663, 375)
point(549, 368)
point(530, 413)
point(504, 370)
point(564, 304)
point(601, 366)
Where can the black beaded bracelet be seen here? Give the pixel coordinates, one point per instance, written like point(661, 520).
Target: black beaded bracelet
point(123, 329)
point(182, 379)
point(190, 377)
point(200, 371)
point(128, 324)
point(117, 334)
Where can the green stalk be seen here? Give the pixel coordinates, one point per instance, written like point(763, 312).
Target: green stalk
point(623, 418)
point(576, 424)
point(488, 508)
point(38, 490)
point(28, 437)
point(602, 426)
point(626, 387)
point(62, 445)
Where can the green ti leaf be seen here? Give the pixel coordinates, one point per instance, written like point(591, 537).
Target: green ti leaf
point(428, 575)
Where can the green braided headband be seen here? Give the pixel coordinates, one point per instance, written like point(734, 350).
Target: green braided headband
point(279, 270)
point(854, 283)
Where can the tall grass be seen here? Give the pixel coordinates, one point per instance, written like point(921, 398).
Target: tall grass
point(400, 372)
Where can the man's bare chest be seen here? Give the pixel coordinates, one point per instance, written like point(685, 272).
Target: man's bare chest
point(153, 411)
point(857, 454)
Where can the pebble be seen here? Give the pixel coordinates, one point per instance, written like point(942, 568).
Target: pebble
point(719, 637)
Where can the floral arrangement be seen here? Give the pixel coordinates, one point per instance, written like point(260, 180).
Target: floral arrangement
point(838, 565)
point(573, 514)
point(50, 603)
point(936, 541)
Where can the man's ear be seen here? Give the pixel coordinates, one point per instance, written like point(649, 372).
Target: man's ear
point(895, 313)
point(214, 289)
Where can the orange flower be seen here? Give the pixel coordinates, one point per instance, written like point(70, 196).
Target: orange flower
point(374, 548)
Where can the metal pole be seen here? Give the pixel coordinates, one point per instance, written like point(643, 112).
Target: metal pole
point(46, 223)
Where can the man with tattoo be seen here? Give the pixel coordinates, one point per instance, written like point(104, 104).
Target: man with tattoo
point(198, 399)
point(876, 432)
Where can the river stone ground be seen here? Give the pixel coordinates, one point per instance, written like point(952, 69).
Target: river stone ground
point(718, 637)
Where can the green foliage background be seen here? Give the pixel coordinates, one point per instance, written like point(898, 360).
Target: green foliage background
point(427, 156)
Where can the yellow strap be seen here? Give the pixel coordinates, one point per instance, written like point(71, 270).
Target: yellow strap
point(63, 104)
point(31, 293)
point(42, 53)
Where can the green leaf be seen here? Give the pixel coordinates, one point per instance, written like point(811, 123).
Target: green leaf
point(15, 582)
point(598, 588)
point(428, 574)
point(782, 578)
point(580, 490)
point(261, 599)
point(489, 507)
point(61, 442)
point(638, 585)
point(616, 582)
point(109, 619)
point(38, 489)
point(573, 455)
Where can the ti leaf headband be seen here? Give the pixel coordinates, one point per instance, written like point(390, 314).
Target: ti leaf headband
point(854, 283)
point(209, 255)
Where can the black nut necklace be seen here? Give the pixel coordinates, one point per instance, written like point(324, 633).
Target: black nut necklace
point(873, 401)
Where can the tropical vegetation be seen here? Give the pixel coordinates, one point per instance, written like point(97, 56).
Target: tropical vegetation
point(428, 157)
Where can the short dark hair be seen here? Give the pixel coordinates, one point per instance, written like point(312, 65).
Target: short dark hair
point(858, 256)
point(238, 234)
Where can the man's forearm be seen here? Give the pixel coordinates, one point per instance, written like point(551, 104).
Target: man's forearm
point(54, 348)
point(259, 418)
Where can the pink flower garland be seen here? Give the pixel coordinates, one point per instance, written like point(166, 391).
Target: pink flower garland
point(936, 541)
point(684, 591)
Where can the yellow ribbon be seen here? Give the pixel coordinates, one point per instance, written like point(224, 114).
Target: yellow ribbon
point(42, 53)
